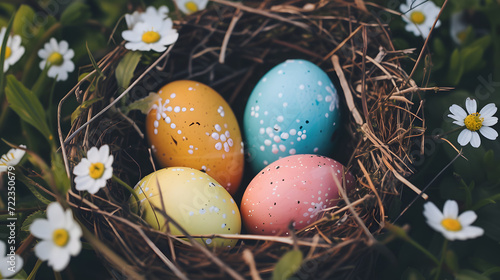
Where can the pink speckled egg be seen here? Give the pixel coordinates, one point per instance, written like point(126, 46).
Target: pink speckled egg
point(295, 188)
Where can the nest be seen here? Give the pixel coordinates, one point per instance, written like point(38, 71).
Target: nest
point(229, 46)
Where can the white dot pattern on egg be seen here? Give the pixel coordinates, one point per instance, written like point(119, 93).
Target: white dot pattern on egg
point(192, 125)
point(294, 188)
point(301, 113)
point(193, 199)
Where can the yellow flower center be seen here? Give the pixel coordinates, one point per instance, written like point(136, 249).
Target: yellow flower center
point(96, 170)
point(55, 58)
point(417, 17)
point(462, 35)
point(60, 237)
point(191, 6)
point(150, 37)
point(473, 122)
point(451, 224)
point(8, 52)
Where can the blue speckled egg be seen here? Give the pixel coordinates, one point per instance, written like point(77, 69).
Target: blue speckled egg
point(293, 109)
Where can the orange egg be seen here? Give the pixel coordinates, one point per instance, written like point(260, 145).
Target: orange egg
point(191, 125)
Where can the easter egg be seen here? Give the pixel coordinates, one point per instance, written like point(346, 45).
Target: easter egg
point(292, 189)
point(193, 199)
point(293, 109)
point(192, 125)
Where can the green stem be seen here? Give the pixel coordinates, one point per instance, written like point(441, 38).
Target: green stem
point(57, 275)
point(443, 253)
point(35, 270)
point(4, 114)
point(401, 233)
point(449, 132)
point(130, 189)
point(423, 250)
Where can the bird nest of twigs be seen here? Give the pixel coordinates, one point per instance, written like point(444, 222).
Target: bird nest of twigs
point(229, 46)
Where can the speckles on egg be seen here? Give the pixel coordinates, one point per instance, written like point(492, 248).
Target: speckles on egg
point(310, 95)
point(195, 115)
point(305, 179)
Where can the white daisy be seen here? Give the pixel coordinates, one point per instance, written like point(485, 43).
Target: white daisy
point(60, 235)
point(10, 264)
point(93, 172)
point(420, 16)
point(474, 121)
point(13, 51)
point(191, 6)
point(58, 56)
point(151, 34)
point(11, 158)
point(449, 223)
point(135, 17)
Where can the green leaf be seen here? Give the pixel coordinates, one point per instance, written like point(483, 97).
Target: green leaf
point(125, 69)
point(94, 63)
point(144, 105)
point(493, 270)
point(33, 188)
point(75, 14)
point(483, 202)
point(27, 106)
point(31, 218)
point(466, 274)
point(288, 264)
point(61, 179)
point(472, 58)
point(456, 68)
point(440, 54)
point(23, 22)
point(451, 260)
point(483, 42)
point(79, 110)
point(41, 83)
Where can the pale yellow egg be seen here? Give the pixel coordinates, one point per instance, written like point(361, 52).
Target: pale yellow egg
point(199, 204)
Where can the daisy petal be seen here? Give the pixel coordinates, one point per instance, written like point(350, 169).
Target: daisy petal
point(54, 45)
point(467, 218)
point(74, 248)
point(104, 153)
point(43, 250)
point(432, 213)
point(59, 258)
point(471, 105)
point(450, 209)
point(63, 46)
point(488, 110)
point(55, 215)
point(473, 232)
point(459, 123)
point(455, 117)
point(449, 235)
point(41, 228)
point(93, 155)
point(458, 112)
point(464, 137)
point(475, 141)
point(488, 132)
point(490, 121)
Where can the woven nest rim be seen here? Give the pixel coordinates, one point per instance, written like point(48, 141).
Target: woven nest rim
point(379, 160)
